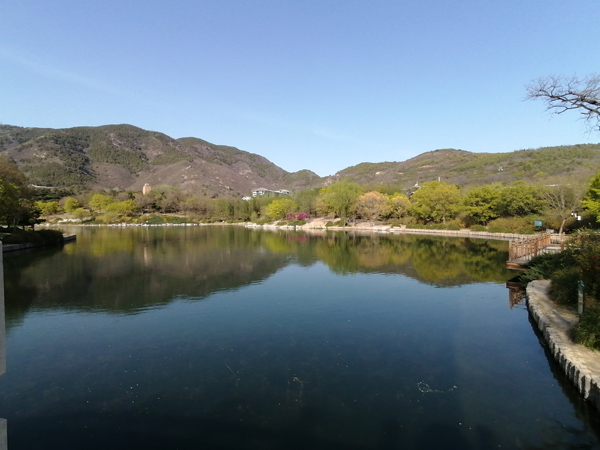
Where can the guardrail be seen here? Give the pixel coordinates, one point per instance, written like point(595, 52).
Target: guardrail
point(526, 248)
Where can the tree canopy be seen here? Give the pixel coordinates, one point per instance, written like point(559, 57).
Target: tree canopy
point(436, 201)
point(591, 201)
point(340, 198)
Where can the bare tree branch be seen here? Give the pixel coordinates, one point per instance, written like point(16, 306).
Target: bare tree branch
point(565, 94)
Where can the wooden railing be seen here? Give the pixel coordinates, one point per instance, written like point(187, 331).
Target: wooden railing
point(527, 248)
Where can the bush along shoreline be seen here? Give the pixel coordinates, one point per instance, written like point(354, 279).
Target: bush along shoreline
point(577, 266)
point(30, 238)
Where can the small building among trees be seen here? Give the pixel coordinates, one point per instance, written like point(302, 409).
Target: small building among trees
point(263, 192)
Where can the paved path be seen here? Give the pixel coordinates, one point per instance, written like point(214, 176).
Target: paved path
point(581, 364)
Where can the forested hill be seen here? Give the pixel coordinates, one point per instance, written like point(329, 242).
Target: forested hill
point(126, 157)
point(546, 165)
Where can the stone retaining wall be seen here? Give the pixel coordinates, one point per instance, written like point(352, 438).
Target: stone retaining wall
point(580, 364)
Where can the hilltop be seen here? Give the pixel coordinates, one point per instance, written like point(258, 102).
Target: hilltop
point(125, 157)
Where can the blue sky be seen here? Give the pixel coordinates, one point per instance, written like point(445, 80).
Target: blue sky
point(311, 84)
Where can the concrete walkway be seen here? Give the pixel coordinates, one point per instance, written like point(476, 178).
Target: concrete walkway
point(581, 364)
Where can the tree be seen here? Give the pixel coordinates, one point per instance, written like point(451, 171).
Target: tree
point(307, 200)
point(435, 201)
point(16, 206)
point(520, 199)
point(400, 205)
point(481, 204)
point(125, 208)
point(71, 204)
point(373, 205)
point(48, 208)
point(562, 200)
point(565, 94)
point(591, 201)
point(99, 202)
point(279, 208)
point(9, 201)
point(340, 198)
point(9, 172)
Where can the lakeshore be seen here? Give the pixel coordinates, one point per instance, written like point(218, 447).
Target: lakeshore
point(579, 363)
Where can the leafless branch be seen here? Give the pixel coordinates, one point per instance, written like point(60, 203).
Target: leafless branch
point(565, 94)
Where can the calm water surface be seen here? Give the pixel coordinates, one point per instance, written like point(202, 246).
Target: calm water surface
point(227, 338)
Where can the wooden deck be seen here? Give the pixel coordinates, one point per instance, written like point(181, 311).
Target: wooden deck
point(521, 251)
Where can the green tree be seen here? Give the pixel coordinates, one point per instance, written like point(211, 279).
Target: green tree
point(400, 205)
point(48, 208)
point(9, 202)
point(307, 201)
point(520, 199)
point(71, 204)
point(125, 208)
point(591, 201)
point(436, 201)
point(279, 208)
point(481, 204)
point(81, 213)
point(373, 206)
point(16, 205)
point(340, 198)
point(99, 202)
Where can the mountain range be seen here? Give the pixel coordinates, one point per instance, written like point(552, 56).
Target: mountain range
point(126, 157)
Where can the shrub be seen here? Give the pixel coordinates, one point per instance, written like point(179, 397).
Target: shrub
point(42, 237)
point(586, 246)
point(337, 223)
point(437, 226)
point(153, 220)
point(563, 285)
point(543, 266)
point(523, 225)
point(478, 228)
point(587, 330)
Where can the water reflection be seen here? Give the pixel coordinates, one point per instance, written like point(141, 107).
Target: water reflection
point(145, 267)
point(222, 337)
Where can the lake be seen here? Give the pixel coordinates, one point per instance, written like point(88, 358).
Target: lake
point(222, 337)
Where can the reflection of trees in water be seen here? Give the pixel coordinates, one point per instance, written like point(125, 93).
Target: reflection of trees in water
point(444, 261)
point(132, 268)
point(150, 268)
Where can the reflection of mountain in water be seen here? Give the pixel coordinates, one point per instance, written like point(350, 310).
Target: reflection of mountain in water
point(130, 269)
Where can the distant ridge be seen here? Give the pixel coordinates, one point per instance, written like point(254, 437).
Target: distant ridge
point(125, 157)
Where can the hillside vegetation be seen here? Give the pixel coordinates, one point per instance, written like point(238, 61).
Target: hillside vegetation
point(540, 166)
point(124, 157)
